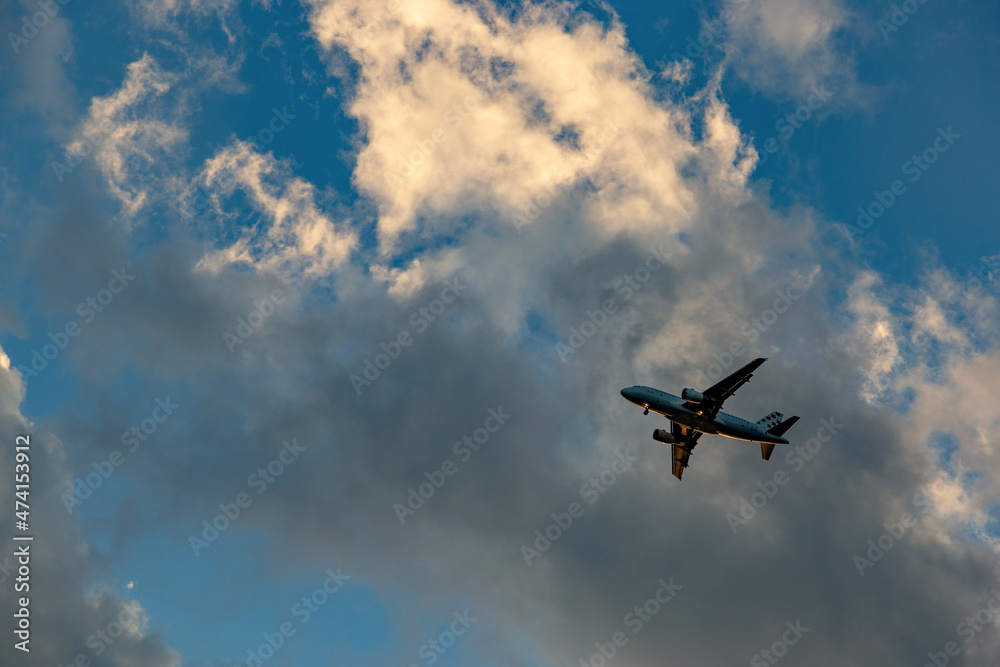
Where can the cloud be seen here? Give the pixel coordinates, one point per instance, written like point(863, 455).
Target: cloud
point(37, 59)
point(128, 142)
point(299, 235)
point(787, 49)
point(172, 15)
point(948, 356)
point(874, 335)
point(73, 609)
point(466, 104)
point(545, 192)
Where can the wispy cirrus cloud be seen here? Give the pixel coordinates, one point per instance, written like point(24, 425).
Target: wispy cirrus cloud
point(295, 235)
point(126, 136)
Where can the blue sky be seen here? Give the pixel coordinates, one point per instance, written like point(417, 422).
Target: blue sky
point(294, 186)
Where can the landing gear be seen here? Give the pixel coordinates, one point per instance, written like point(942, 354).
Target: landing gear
point(646, 411)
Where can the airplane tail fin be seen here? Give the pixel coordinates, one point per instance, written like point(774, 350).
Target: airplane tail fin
point(770, 420)
point(780, 428)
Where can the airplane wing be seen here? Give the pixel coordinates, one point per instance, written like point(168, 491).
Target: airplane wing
point(686, 439)
point(717, 394)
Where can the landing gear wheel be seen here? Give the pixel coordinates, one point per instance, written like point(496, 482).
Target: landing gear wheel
point(646, 411)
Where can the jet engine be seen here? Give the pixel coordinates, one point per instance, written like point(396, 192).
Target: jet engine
point(666, 437)
point(692, 395)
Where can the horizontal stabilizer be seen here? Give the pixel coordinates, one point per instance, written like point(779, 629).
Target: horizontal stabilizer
point(780, 429)
point(765, 450)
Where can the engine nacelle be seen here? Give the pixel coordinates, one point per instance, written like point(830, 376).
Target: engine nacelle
point(692, 395)
point(666, 437)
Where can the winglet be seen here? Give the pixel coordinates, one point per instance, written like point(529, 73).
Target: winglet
point(780, 429)
point(765, 450)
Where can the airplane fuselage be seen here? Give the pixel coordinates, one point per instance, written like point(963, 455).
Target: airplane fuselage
point(724, 424)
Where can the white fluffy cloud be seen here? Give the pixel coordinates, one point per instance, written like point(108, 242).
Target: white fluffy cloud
point(461, 103)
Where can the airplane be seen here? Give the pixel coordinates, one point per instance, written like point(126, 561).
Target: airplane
point(694, 412)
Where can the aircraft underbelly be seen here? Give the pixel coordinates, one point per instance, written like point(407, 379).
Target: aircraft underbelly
point(737, 433)
point(696, 422)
